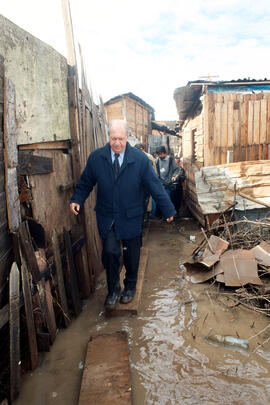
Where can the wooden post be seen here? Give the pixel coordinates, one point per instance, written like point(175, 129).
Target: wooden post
point(14, 331)
point(60, 278)
point(29, 317)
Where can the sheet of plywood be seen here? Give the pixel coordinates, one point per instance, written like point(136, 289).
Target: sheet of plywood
point(51, 209)
point(106, 376)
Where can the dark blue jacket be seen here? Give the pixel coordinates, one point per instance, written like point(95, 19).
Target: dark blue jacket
point(121, 200)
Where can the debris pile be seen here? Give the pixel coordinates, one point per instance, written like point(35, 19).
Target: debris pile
point(235, 254)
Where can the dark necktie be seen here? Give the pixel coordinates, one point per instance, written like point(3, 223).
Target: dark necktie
point(116, 166)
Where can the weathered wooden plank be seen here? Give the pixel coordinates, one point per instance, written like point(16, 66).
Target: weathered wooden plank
point(74, 127)
point(31, 164)
point(230, 124)
point(257, 111)
point(60, 278)
point(133, 306)
point(77, 305)
point(32, 340)
point(50, 318)
point(236, 131)
point(46, 145)
point(43, 337)
point(28, 251)
point(46, 297)
point(14, 328)
point(224, 131)
point(263, 121)
point(106, 377)
point(208, 129)
point(250, 122)
point(217, 132)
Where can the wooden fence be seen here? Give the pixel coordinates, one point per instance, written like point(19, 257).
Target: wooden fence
point(236, 127)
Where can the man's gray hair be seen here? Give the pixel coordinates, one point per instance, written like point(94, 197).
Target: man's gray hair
point(123, 121)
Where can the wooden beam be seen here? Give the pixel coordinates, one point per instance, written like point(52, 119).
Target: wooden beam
point(106, 377)
point(14, 331)
point(46, 145)
point(30, 164)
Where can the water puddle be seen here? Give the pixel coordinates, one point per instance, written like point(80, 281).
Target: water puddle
point(171, 361)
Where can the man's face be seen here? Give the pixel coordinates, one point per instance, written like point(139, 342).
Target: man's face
point(162, 155)
point(118, 137)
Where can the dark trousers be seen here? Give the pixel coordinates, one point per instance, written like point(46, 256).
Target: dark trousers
point(111, 254)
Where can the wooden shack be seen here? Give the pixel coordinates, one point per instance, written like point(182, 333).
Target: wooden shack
point(48, 127)
point(165, 133)
point(226, 125)
point(135, 111)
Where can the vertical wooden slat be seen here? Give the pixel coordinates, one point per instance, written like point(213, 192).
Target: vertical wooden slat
point(263, 121)
point(28, 251)
point(208, 108)
point(77, 305)
point(243, 127)
point(250, 128)
point(29, 317)
point(60, 278)
point(257, 106)
point(51, 322)
point(246, 99)
point(224, 129)
point(230, 125)
point(236, 130)
point(217, 131)
point(14, 327)
point(268, 121)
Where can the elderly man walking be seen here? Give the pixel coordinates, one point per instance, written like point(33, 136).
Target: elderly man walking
point(122, 173)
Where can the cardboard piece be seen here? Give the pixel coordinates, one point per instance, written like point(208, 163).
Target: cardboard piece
point(197, 273)
point(239, 267)
point(262, 253)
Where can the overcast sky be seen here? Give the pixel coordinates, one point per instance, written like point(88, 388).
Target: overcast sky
point(151, 47)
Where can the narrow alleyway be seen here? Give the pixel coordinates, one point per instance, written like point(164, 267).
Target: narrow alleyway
point(171, 361)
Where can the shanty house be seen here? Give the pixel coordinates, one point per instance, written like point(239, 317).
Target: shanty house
point(225, 129)
point(165, 133)
point(135, 111)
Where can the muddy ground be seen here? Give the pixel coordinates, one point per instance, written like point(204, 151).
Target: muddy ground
point(171, 360)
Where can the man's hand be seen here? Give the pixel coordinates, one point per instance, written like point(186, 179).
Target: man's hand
point(169, 219)
point(74, 208)
point(173, 179)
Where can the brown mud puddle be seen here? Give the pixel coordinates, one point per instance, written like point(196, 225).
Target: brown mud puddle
point(171, 361)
